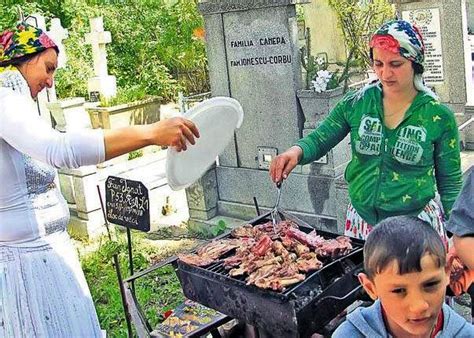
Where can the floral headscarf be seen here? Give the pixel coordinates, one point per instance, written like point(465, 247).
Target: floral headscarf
point(24, 40)
point(399, 36)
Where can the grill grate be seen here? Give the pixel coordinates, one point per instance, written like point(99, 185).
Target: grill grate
point(299, 311)
point(219, 268)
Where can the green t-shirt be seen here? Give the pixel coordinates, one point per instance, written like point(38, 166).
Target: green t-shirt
point(392, 172)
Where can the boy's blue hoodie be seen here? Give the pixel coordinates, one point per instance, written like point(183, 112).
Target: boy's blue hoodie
point(368, 322)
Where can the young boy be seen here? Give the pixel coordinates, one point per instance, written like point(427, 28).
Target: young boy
point(406, 274)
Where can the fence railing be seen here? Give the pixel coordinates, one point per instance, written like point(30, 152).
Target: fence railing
point(185, 101)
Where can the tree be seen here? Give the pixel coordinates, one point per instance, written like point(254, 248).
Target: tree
point(357, 21)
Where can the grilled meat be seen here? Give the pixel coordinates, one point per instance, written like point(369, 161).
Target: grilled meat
point(312, 239)
point(211, 252)
point(216, 249)
point(246, 230)
point(193, 259)
point(335, 247)
point(262, 246)
point(271, 259)
point(308, 262)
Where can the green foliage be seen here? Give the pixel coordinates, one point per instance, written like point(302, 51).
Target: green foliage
point(127, 95)
point(154, 49)
point(135, 154)
point(156, 45)
point(156, 292)
point(299, 12)
point(219, 228)
point(206, 231)
point(358, 21)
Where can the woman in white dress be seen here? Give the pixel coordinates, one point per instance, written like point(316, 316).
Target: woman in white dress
point(43, 292)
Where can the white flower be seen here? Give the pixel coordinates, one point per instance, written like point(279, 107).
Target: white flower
point(324, 74)
point(320, 61)
point(320, 83)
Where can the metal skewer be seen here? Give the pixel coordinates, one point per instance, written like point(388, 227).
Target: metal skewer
point(274, 211)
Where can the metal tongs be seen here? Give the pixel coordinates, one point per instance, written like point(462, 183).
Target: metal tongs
point(274, 211)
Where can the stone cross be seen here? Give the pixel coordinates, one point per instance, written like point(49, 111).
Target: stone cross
point(98, 38)
point(58, 33)
point(36, 20)
point(102, 84)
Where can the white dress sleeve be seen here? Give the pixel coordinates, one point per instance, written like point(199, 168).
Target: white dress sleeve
point(26, 131)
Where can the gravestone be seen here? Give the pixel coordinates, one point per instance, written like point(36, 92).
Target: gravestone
point(444, 27)
point(252, 49)
point(102, 84)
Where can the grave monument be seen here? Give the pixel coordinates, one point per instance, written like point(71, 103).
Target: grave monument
point(449, 65)
point(102, 84)
point(253, 55)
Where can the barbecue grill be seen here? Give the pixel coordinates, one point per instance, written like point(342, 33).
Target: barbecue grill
point(299, 311)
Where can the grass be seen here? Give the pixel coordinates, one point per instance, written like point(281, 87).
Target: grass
point(156, 292)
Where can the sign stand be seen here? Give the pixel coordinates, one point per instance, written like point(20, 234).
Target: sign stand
point(117, 270)
point(130, 258)
point(126, 204)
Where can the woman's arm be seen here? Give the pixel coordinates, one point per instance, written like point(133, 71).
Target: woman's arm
point(26, 131)
point(23, 129)
point(175, 132)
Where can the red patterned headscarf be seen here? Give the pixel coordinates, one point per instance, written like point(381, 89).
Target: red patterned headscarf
point(23, 40)
point(399, 36)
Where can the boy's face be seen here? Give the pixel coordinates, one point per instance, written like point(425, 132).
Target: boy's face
point(411, 301)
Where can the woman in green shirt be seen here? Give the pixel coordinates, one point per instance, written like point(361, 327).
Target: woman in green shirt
point(405, 144)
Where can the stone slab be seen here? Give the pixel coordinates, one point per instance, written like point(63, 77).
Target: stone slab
point(467, 160)
point(247, 212)
point(82, 229)
point(202, 195)
point(453, 31)
point(218, 76)
point(263, 70)
point(202, 214)
point(67, 187)
point(301, 193)
point(223, 6)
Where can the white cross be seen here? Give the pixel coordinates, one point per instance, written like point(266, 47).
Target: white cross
point(36, 20)
point(58, 33)
point(98, 38)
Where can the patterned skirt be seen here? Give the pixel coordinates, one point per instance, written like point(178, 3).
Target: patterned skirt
point(43, 292)
point(433, 213)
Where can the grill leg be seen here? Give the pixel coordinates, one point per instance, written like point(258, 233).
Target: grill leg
point(215, 333)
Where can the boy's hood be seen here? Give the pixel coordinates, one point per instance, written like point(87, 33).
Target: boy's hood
point(370, 323)
point(454, 325)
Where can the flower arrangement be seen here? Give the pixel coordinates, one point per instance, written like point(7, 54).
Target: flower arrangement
point(323, 79)
point(318, 77)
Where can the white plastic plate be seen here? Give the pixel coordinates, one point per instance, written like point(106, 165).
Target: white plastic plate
point(216, 119)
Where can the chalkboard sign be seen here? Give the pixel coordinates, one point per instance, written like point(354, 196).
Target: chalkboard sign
point(127, 203)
